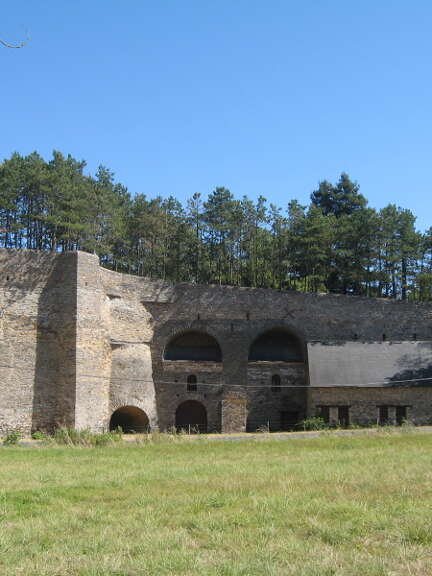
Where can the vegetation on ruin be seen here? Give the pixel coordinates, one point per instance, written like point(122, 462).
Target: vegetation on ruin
point(12, 438)
point(336, 244)
point(313, 507)
point(73, 437)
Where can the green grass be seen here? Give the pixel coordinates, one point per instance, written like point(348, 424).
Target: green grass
point(313, 507)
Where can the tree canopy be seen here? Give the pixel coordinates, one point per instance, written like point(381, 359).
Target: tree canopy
point(336, 244)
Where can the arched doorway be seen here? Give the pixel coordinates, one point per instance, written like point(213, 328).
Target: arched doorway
point(130, 419)
point(192, 417)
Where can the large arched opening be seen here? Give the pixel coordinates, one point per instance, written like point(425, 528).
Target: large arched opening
point(130, 419)
point(276, 345)
point(192, 417)
point(193, 346)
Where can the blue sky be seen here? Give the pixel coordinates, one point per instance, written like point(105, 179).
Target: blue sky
point(265, 97)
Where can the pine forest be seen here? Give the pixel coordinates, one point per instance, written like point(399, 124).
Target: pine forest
point(337, 243)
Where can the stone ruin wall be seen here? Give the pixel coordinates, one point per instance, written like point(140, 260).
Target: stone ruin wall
point(78, 341)
point(37, 339)
point(130, 329)
point(236, 316)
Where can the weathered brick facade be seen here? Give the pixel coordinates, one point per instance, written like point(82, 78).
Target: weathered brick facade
point(78, 342)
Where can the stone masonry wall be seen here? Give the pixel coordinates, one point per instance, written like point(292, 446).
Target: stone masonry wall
point(37, 339)
point(267, 403)
point(234, 412)
point(93, 351)
point(364, 402)
point(235, 317)
point(78, 341)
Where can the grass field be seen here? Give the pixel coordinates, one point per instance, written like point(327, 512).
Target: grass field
point(323, 506)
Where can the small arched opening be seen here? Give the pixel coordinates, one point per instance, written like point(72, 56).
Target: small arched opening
point(192, 417)
point(277, 345)
point(193, 346)
point(130, 419)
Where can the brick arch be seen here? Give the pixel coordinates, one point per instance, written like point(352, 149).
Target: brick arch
point(277, 344)
point(128, 400)
point(191, 415)
point(193, 345)
point(130, 419)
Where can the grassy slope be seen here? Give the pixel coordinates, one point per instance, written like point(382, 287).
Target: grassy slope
point(348, 506)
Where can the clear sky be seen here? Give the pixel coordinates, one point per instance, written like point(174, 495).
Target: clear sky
point(263, 97)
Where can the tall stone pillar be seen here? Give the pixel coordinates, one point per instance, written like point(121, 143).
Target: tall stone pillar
point(93, 350)
point(234, 412)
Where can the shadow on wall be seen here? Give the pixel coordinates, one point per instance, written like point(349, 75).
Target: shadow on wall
point(54, 378)
point(413, 377)
point(276, 345)
point(25, 271)
point(276, 415)
point(413, 373)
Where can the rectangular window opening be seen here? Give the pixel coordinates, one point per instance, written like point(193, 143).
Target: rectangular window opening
point(343, 416)
point(383, 415)
point(401, 415)
point(324, 413)
point(192, 383)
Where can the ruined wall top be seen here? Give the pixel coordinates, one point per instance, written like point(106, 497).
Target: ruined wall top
point(313, 316)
